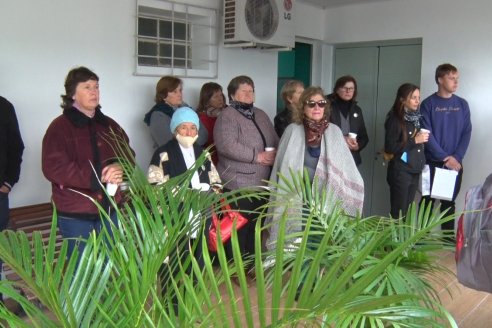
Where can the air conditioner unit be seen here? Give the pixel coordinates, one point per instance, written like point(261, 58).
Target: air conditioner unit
point(266, 24)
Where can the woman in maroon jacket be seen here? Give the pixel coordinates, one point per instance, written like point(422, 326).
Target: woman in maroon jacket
point(78, 154)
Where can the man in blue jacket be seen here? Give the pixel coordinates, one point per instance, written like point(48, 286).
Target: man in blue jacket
point(447, 116)
point(11, 149)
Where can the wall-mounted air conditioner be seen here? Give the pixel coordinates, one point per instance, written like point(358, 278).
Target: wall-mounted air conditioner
point(267, 24)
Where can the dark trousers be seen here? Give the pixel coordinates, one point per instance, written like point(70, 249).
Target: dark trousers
point(445, 204)
point(403, 187)
point(184, 247)
point(246, 235)
point(4, 221)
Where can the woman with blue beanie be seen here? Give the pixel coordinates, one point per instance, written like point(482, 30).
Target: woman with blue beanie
point(175, 158)
point(179, 154)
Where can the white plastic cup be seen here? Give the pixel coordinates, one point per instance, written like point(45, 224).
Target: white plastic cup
point(269, 148)
point(352, 135)
point(424, 131)
point(111, 188)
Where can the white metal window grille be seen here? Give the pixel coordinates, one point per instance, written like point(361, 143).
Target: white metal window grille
point(176, 39)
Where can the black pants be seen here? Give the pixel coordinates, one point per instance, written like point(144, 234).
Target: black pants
point(403, 187)
point(184, 247)
point(445, 204)
point(246, 235)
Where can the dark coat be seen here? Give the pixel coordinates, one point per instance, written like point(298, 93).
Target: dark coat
point(176, 165)
point(11, 145)
point(71, 144)
point(281, 121)
point(356, 122)
point(393, 144)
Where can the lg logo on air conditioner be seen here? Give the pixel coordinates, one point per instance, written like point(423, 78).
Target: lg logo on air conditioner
point(288, 8)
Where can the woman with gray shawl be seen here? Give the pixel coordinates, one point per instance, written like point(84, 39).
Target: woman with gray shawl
point(311, 143)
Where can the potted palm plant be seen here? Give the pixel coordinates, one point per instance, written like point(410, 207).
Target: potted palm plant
point(339, 271)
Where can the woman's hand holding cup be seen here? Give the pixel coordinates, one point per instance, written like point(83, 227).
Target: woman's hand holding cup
point(422, 136)
point(267, 157)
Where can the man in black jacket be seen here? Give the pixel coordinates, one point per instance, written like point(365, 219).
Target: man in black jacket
point(11, 149)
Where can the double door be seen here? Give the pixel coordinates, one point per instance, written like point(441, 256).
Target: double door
point(379, 70)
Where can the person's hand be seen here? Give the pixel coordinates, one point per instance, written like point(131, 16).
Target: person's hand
point(451, 163)
point(4, 189)
point(266, 158)
point(421, 137)
point(113, 173)
point(352, 143)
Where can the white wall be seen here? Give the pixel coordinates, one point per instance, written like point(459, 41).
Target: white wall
point(453, 31)
point(42, 40)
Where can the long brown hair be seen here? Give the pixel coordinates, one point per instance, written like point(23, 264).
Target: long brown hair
point(404, 91)
point(206, 92)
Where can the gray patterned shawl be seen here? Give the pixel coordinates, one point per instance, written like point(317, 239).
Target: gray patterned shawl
point(336, 173)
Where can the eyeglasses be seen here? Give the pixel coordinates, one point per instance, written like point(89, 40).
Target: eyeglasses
point(312, 103)
point(348, 89)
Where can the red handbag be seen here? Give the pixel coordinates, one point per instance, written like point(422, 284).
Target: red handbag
point(226, 223)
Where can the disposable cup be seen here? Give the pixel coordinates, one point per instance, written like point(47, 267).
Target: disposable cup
point(352, 135)
point(269, 148)
point(424, 131)
point(111, 188)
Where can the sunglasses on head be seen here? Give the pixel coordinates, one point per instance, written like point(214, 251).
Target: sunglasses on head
point(312, 103)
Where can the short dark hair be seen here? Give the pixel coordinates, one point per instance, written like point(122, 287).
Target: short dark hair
point(341, 81)
point(206, 92)
point(236, 82)
point(444, 69)
point(166, 84)
point(74, 77)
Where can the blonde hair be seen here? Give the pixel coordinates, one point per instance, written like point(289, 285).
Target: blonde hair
point(288, 89)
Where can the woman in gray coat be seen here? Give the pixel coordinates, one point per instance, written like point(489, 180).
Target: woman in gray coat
point(245, 140)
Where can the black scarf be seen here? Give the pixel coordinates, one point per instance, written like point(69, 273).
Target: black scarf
point(160, 107)
point(81, 120)
point(243, 108)
point(412, 116)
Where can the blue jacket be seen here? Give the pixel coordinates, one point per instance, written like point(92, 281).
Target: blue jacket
point(448, 119)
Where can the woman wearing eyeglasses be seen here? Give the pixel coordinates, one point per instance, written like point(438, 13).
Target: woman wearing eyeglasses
point(347, 115)
point(312, 143)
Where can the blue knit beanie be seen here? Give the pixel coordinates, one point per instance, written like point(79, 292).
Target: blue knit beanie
point(184, 115)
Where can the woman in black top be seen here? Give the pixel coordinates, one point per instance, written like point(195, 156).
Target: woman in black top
point(347, 115)
point(405, 142)
point(290, 93)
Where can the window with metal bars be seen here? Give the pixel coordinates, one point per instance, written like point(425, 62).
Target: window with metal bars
point(176, 39)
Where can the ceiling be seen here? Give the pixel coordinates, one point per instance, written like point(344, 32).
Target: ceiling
point(337, 3)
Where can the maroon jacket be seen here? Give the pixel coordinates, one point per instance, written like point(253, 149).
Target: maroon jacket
point(67, 156)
